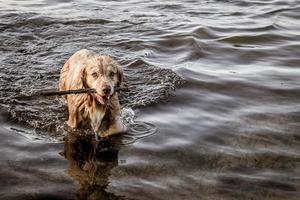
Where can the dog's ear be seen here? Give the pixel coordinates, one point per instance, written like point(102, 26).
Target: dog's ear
point(78, 79)
point(119, 75)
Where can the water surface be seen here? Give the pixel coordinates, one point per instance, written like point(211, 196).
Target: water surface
point(231, 131)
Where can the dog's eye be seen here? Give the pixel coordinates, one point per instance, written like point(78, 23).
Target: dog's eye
point(111, 74)
point(95, 75)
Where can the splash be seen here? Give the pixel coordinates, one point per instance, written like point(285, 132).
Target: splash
point(135, 129)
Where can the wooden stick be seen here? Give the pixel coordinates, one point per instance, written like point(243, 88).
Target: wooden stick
point(52, 93)
point(79, 91)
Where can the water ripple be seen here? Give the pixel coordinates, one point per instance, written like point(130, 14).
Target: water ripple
point(229, 132)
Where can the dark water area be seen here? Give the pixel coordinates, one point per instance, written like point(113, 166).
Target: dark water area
point(229, 131)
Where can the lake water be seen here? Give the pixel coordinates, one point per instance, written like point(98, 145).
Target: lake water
point(227, 124)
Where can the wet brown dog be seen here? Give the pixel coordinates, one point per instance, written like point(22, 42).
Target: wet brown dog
point(86, 69)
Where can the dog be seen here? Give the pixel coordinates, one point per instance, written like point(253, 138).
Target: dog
point(87, 69)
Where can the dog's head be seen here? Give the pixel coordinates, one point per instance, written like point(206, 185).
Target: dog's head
point(100, 72)
point(103, 74)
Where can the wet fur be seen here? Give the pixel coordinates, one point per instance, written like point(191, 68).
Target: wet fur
point(84, 108)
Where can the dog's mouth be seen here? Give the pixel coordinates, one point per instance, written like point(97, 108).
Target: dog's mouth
point(102, 99)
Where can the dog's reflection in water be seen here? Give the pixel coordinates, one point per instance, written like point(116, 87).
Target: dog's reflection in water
point(90, 164)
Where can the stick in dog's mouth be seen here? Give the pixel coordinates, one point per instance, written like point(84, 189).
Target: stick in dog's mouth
point(102, 99)
point(65, 92)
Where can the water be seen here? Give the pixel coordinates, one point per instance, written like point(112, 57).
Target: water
point(231, 131)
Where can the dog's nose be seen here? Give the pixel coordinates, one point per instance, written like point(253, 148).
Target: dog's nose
point(106, 90)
